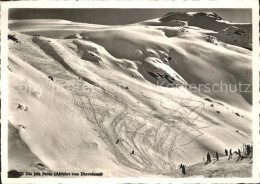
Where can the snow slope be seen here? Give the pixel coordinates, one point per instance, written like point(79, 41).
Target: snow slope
point(119, 89)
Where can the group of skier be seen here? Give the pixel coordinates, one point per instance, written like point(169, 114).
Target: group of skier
point(248, 150)
point(230, 153)
point(209, 157)
point(245, 151)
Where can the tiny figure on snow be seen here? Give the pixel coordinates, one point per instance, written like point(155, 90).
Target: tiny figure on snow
point(183, 169)
point(230, 153)
point(217, 156)
point(226, 152)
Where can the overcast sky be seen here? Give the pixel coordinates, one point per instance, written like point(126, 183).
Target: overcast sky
point(121, 16)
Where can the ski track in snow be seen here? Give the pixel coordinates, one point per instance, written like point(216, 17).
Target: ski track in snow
point(134, 139)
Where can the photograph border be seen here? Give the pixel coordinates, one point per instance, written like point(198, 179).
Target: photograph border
point(252, 4)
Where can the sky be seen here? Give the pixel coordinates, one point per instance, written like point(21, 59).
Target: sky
point(121, 16)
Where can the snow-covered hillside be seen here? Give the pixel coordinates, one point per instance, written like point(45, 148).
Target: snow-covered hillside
point(85, 96)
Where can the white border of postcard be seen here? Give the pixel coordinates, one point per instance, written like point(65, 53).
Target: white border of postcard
point(252, 4)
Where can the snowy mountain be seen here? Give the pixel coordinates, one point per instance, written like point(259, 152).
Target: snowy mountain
point(121, 100)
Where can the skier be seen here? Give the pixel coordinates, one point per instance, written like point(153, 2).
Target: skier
point(251, 148)
point(226, 152)
point(209, 157)
point(239, 153)
point(183, 170)
point(217, 156)
point(248, 150)
point(230, 153)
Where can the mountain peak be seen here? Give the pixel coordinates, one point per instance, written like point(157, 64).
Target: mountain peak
point(189, 15)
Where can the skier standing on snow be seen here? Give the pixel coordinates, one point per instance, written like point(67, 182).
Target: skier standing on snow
point(226, 152)
point(208, 157)
point(239, 153)
point(217, 156)
point(183, 170)
point(230, 153)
